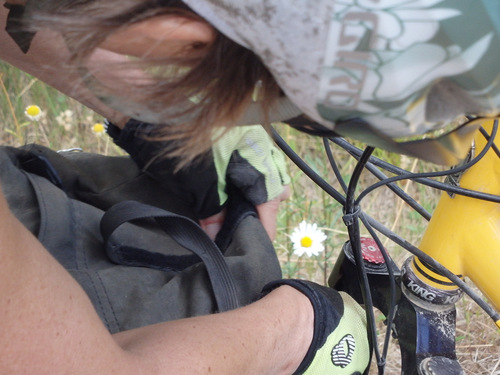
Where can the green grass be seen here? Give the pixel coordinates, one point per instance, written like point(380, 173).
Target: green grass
point(478, 341)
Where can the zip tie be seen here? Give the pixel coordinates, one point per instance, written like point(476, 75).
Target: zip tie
point(349, 218)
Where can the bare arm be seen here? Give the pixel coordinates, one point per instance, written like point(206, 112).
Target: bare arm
point(49, 326)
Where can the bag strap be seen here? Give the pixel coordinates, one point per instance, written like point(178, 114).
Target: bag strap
point(186, 233)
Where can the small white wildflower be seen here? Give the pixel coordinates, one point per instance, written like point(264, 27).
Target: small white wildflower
point(65, 119)
point(33, 112)
point(99, 128)
point(307, 239)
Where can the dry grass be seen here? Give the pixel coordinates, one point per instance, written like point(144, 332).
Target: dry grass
point(478, 341)
point(64, 122)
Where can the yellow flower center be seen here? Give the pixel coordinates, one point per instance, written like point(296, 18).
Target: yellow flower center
point(306, 241)
point(33, 110)
point(98, 128)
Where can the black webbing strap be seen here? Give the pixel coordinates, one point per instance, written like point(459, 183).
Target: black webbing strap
point(186, 233)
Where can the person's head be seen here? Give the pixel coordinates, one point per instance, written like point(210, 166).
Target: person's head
point(176, 68)
point(365, 69)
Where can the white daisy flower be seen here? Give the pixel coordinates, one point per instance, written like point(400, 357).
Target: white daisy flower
point(33, 112)
point(99, 129)
point(307, 239)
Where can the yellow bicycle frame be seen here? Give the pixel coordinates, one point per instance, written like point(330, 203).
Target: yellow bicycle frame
point(464, 233)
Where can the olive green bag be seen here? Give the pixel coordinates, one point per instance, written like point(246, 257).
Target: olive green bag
point(134, 249)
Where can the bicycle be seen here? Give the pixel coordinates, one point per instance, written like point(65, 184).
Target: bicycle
point(418, 298)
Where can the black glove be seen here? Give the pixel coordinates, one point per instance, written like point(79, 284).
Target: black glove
point(244, 156)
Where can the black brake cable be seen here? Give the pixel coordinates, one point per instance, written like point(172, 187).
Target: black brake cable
point(330, 190)
point(487, 136)
point(356, 152)
point(407, 198)
point(351, 220)
point(392, 283)
point(461, 191)
point(333, 164)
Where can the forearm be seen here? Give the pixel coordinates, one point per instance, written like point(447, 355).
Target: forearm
point(49, 326)
point(270, 336)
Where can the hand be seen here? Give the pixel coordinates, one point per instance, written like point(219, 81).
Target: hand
point(267, 212)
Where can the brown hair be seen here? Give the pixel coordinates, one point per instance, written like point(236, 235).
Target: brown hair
point(222, 81)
